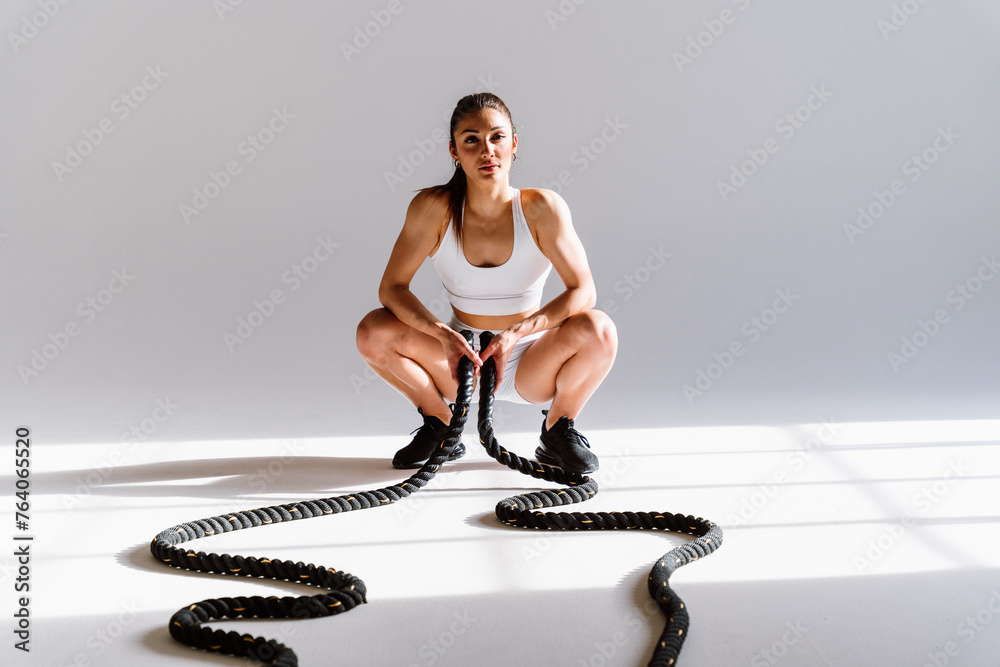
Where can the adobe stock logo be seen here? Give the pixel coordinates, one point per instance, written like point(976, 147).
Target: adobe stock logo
point(787, 126)
point(900, 16)
point(588, 153)
point(796, 460)
point(565, 9)
point(753, 329)
point(88, 309)
point(264, 309)
point(924, 501)
point(968, 630)
point(781, 647)
point(963, 293)
point(250, 148)
point(915, 167)
point(699, 43)
point(432, 650)
point(31, 25)
point(122, 107)
point(363, 35)
point(633, 281)
point(223, 7)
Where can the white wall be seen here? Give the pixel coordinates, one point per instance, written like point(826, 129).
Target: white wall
point(570, 74)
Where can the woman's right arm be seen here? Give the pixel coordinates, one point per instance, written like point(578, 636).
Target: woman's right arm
point(422, 228)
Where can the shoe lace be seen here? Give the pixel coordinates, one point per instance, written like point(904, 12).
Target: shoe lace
point(428, 425)
point(566, 427)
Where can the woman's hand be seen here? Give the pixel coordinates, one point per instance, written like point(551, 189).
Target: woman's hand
point(455, 347)
point(499, 348)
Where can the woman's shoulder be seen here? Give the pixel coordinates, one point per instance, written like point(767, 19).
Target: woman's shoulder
point(542, 205)
point(427, 219)
point(429, 209)
point(429, 201)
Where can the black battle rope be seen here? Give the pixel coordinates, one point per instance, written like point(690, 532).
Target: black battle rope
point(347, 591)
point(521, 511)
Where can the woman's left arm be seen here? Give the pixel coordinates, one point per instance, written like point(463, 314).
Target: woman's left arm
point(559, 242)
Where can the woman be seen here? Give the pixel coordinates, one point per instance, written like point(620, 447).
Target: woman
point(493, 247)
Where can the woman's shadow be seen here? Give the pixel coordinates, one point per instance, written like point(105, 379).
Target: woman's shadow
point(228, 478)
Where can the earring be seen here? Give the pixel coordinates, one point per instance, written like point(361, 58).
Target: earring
point(514, 158)
point(457, 164)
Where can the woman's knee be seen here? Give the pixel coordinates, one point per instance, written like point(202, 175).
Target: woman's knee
point(375, 333)
point(590, 328)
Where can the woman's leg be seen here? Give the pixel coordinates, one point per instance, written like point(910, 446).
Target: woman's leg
point(567, 364)
point(409, 360)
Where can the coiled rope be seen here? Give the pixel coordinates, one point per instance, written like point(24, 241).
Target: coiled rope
point(346, 591)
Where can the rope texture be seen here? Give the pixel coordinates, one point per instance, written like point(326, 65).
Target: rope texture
point(345, 591)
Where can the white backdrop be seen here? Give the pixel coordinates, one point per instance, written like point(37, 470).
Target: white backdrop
point(789, 209)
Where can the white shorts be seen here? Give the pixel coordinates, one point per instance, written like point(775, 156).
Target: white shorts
point(506, 390)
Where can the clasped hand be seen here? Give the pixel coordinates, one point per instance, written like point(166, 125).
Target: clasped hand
point(499, 350)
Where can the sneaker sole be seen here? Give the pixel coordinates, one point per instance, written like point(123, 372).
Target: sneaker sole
point(543, 456)
point(456, 453)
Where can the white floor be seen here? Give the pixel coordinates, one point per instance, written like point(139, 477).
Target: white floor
point(845, 544)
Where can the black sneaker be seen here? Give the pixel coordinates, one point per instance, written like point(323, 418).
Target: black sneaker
point(428, 437)
point(565, 447)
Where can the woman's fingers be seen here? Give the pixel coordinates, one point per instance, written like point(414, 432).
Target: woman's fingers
point(490, 352)
point(471, 354)
point(464, 350)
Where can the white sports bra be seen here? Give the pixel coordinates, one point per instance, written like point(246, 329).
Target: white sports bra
point(513, 287)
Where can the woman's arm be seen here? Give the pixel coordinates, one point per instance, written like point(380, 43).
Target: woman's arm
point(420, 233)
point(421, 230)
point(559, 242)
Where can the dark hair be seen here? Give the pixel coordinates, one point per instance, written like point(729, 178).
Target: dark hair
point(456, 186)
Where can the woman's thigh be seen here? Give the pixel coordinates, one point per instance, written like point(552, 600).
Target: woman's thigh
point(536, 374)
point(384, 334)
point(535, 379)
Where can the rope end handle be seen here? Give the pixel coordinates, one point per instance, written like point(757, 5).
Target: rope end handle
point(484, 339)
point(488, 371)
point(488, 385)
point(466, 371)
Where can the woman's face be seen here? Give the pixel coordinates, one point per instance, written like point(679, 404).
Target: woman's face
point(484, 144)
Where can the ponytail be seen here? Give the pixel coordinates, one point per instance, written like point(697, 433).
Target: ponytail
point(455, 188)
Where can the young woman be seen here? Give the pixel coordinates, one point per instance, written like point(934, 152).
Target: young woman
point(493, 247)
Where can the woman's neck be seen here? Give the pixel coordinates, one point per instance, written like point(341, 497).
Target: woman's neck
point(487, 200)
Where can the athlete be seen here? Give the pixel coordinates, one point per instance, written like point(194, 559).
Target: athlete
point(493, 247)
